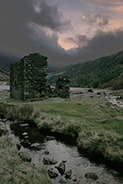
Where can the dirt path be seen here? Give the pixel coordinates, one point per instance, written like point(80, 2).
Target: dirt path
point(48, 101)
point(75, 93)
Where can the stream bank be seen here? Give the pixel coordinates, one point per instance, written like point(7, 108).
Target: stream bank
point(48, 152)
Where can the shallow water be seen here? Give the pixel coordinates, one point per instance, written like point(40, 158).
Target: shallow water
point(60, 151)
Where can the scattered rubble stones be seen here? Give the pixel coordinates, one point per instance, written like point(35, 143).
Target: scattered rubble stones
point(52, 174)
point(36, 146)
point(46, 152)
point(90, 91)
point(91, 175)
point(48, 161)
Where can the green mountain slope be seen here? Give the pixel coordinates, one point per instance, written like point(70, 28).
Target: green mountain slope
point(103, 72)
point(4, 75)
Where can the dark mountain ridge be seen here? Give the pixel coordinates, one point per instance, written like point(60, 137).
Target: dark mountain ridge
point(4, 75)
point(103, 72)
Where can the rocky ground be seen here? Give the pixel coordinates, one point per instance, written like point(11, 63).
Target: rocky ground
point(114, 97)
point(4, 86)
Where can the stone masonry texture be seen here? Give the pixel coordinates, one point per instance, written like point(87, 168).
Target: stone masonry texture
point(28, 77)
point(63, 87)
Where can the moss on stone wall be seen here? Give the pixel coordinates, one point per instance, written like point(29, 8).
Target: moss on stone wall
point(28, 77)
point(63, 87)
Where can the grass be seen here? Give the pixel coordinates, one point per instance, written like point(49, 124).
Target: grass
point(87, 112)
point(14, 170)
point(94, 124)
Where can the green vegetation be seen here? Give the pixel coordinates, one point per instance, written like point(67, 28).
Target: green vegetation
point(103, 72)
point(14, 170)
point(19, 113)
point(95, 125)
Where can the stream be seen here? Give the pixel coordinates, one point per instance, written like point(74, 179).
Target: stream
point(48, 152)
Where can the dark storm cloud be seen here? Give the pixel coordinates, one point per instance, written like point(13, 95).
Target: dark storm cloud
point(15, 18)
point(6, 60)
point(80, 40)
point(21, 12)
point(21, 28)
point(101, 44)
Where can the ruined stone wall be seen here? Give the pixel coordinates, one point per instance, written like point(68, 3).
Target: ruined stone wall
point(63, 87)
point(16, 78)
point(28, 77)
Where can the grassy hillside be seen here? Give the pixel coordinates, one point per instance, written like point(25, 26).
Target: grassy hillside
point(4, 75)
point(103, 72)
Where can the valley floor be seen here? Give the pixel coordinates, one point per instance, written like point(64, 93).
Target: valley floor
point(88, 118)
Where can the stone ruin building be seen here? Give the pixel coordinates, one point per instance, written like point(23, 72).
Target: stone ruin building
point(28, 79)
point(63, 87)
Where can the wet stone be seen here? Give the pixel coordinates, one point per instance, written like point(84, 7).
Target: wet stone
point(91, 175)
point(68, 174)
point(48, 161)
point(90, 91)
point(61, 168)
point(25, 142)
point(52, 174)
point(26, 137)
point(24, 125)
point(36, 146)
point(99, 93)
point(46, 152)
point(25, 133)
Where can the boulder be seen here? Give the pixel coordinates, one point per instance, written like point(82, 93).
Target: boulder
point(91, 175)
point(74, 178)
point(25, 143)
point(50, 137)
point(68, 174)
point(25, 156)
point(99, 93)
point(120, 97)
point(36, 146)
point(61, 168)
point(48, 161)
point(90, 91)
point(46, 152)
point(52, 174)
point(25, 134)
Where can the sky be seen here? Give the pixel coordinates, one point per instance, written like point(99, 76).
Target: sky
point(66, 31)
